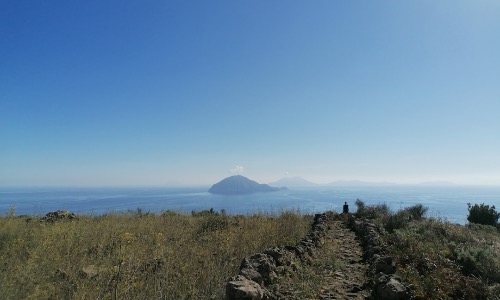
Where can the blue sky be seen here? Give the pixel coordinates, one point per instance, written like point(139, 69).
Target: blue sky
point(189, 92)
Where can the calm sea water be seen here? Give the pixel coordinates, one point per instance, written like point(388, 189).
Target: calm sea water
point(448, 203)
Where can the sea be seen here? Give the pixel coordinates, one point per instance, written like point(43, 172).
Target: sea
point(448, 203)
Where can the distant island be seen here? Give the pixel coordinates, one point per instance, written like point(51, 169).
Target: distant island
point(238, 184)
point(293, 181)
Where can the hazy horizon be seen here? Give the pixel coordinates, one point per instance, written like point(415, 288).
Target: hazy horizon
point(125, 93)
point(333, 183)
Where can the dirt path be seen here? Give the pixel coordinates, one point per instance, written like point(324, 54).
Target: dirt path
point(345, 279)
point(336, 271)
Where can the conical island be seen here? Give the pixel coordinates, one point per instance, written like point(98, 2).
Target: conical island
point(238, 184)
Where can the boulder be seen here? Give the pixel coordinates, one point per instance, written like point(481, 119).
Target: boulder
point(382, 264)
point(262, 263)
point(241, 288)
point(389, 287)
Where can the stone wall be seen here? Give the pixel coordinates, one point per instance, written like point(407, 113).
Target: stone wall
point(262, 269)
point(385, 284)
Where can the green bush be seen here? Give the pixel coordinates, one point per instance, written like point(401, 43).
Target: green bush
point(479, 262)
point(446, 261)
point(360, 205)
point(372, 211)
point(388, 220)
point(416, 212)
point(483, 214)
point(403, 217)
point(397, 221)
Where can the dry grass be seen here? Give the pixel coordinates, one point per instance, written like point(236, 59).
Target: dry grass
point(135, 255)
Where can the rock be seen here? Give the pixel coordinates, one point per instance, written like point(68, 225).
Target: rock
point(263, 264)
point(356, 288)
point(89, 271)
point(281, 256)
point(382, 264)
point(251, 274)
point(241, 288)
point(275, 295)
point(372, 251)
point(57, 215)
point(389, 287)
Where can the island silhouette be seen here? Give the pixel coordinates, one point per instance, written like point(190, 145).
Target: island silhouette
point(238, 184)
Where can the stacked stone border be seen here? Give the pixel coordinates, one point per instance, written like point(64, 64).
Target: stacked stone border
point(261, 269)
point(385, 284)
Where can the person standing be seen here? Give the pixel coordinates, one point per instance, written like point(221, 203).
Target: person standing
point(346, 211)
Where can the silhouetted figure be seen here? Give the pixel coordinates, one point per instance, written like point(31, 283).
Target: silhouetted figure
point(346, 208)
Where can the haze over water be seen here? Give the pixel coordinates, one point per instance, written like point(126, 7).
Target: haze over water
point(447, 203)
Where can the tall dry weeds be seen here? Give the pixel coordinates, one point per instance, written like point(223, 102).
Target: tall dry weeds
point(135, 255)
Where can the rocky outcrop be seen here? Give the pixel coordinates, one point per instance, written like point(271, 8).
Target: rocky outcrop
point(262, 269)
point(385, 284)
point(58, 215)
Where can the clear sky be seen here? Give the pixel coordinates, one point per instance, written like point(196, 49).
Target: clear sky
point(189, 92)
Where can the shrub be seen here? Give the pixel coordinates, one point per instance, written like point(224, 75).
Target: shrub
point(416, 212)
point(403, 217)
point(372, 211)
point(446, 261)
point(214, 222)
point(206, 212)
point(479, 262)
point(483, 214)
point(397, 221)
point(360, 205)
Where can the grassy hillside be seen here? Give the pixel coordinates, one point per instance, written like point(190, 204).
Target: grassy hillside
point(439, 259)
point(135, 255)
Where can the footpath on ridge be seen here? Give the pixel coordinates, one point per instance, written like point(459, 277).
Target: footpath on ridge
point(326, 264)
point(333, 261)
point(346, 280)
point(339, 268)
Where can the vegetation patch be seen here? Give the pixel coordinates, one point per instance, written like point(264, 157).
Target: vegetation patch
point(135, 255)
point(143, 255)
point(439, 259)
